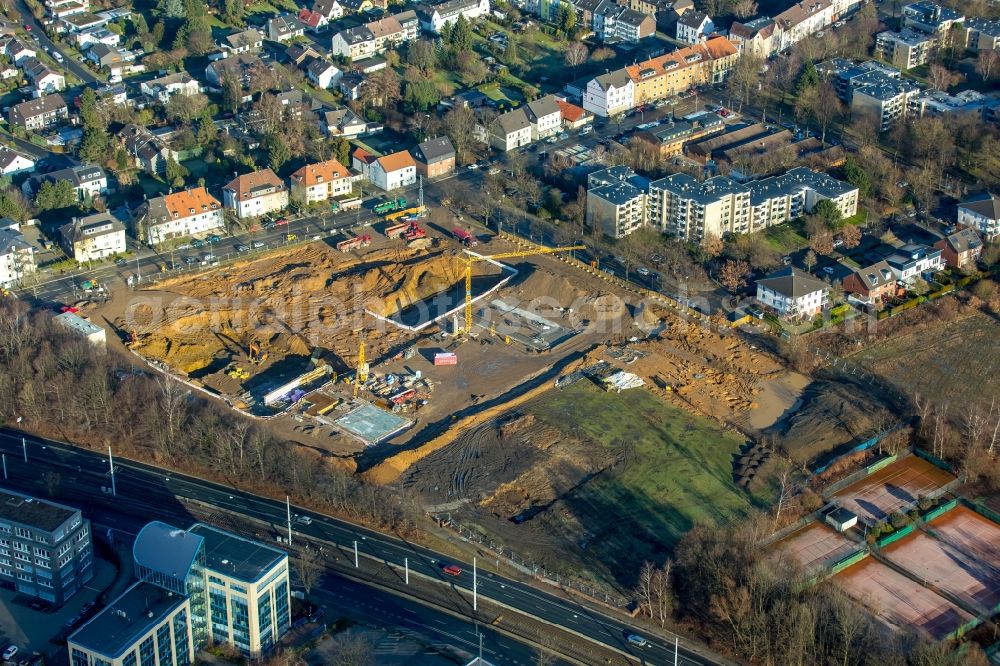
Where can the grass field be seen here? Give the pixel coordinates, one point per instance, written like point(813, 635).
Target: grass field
point(783, 238)
point(677, 470)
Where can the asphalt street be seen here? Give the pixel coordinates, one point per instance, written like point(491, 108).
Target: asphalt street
point(86, 473)
point(69, 57)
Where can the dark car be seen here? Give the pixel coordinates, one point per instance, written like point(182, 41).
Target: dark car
point(197, 242)
point(214, 238)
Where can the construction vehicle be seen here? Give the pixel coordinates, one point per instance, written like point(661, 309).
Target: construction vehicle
point(237, 372)
point(361, 374)
point(354, 243)
point(389, 206)
point(473, 258)
point(405, 230)
point(413, 232)
point(346, 204)
point(464, 237)
point(254, 353)
point(406, 214)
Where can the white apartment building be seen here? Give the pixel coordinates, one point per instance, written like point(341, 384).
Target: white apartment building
point(544, 116)
point(94, 237)
point(616, 201)
point(394, 171)
point(610, 94)
point(179, 215)
point(911, 261)
point(982, 213)
point(801, 20)
point(510, 131)
point(17, 258)
point(792, 294)
point(435, 17)
point(255, 194)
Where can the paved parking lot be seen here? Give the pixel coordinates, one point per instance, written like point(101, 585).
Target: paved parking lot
point(31, 630)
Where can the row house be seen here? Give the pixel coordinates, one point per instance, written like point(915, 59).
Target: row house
point(255, 194)
point(320, 182)
point(313, 21)
point(610, 21)
point(510, 131)
point(37, 114)
point(376, 37)
point(331, 10)
point(961, 248)
point(801, 20)
point(694, 27)
point(913, 261)
point(872, 285)
point(178, 215)
point(610, 94)
point(544, 116)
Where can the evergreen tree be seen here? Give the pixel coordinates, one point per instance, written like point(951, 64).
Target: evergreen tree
point(207, 132)
point(342, 150)
point(55, 194)
point(233, 12)
point(96, 142)
point(446, 34)
point(510, 54)
point(176, 173)
point(808, 78)
point(277, 152)
point(174, 9)
point(461, 34)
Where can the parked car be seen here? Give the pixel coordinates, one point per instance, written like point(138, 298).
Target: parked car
point(786, 261)
point(197, 242)
point(213, 238)
point(452, 570)
point(281, 221)
point(120, 262)
point(290, 237)
point(268, 226)
point(838, 242)
point(190, 261)
point(305, 520)
point(10, 652)
point(240, 247)
point(828, 270)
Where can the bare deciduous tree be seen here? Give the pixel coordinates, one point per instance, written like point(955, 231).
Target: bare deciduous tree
point(308, 567)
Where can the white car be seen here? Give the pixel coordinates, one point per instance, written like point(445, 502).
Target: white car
point(642, 270)
point(828, 270)
point(10, 652)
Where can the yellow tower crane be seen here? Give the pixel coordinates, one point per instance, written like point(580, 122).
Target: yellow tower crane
point(527, 252)
point(361, 373)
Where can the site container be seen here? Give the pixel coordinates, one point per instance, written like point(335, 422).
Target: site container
point(446, 358)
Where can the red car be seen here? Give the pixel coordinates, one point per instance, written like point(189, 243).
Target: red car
point(282, 221)
point(452, 570)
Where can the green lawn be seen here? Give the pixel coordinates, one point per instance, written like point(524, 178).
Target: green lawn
point(784, 238)
point(678, 474)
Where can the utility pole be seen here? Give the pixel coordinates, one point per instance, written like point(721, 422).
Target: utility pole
point(111, 463)
point(420, 196)
point(4, 466)
point(24, 448)
point(288, 513)
point(676, 646)
point(475, 587)
point(406, 563)
point(355, 553)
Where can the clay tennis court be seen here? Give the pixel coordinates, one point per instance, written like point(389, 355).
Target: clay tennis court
point(892, 488)
point(816, 545)
point(899, 600)
point(963, 560)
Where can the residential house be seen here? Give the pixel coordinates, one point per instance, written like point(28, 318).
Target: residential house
point(435, 157)
point(756, 37)
point(237, 67)
point(93, 237)
point(361, 6)
point(64, 10)
point(178, 215)
point(394, 171)
point(610, 94)
point(17, 51)
point(905, 49)
point(792, 294)
point(284, 28)
point(40, 113)
point(17, 257)
point(149, 152)
point(165, 87)
point(255, 194)
point(312, 20)
point(245, 41)
point(573, 116)
point(7, 73)
point(45, 81)
point(354, 43)
point(982, 34)
point(616, 201)
point(301, 53)
point(320, 182)
point(350, 85)
point(387, 33)
point(872, 285)
point(343, 122)
point(510, 130)
point(961, 249)
point(82, 22)
point(88, 38)
point(694, 27)
point(667, 75)
point(913, 261)
point(88, 180)
point(545, 117)
point(323, 73)
point(625, 25)
point(434, 17)
point(13, 163)
point(931, 18)
point(331, 10)
point(982, 213)
point(107, 57)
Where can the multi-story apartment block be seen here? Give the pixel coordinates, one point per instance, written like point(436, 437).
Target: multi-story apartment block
point(694, 27)
point(434, 17)
point(39, 113)
point(905, 49)
point(981, 34)
point(255, 194)
point(756, 37)
point(683, 207)
point(178, 215)
point(196, 585)
point(930, 18)
point(610, 94)
point(883, 99)
point(801, 20)
point(46, 549)
point(17, 257)
point(315, 183)
point(616, 201)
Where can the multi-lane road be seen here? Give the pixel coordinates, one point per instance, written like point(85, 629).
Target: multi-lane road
point(85, 473)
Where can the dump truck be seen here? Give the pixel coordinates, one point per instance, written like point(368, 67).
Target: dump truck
point(395, 230)
point(354, 243)
point(389, 206)
point(464, 237)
